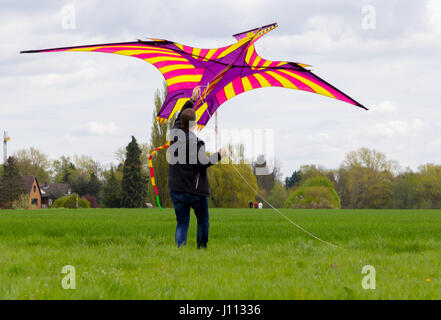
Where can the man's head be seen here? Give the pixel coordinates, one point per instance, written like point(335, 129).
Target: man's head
point(187, 116)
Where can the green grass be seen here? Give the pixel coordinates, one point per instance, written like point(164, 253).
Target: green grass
point(252, 254)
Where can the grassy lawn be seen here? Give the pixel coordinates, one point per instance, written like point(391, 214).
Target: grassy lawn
point(252, 254)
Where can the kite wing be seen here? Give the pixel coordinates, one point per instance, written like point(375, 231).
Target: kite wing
point(250, 71)
point(183, 67)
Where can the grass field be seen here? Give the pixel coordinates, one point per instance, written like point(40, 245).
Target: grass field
point(252, 254)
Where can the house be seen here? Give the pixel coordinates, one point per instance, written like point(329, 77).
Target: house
point(30, 184)
point(44, 195)
point(52, 191)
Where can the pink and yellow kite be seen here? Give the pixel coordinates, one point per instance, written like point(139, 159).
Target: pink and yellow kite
point(224, 72)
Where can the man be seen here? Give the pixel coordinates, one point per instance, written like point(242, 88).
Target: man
point(187, 178)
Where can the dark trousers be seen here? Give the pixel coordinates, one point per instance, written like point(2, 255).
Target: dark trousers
point(182, 203)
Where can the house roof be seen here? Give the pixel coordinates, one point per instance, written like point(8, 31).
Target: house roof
point(49, 189)
point(28, 182)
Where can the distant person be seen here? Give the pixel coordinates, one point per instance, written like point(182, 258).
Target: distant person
point(260, 205)
point(255, 204)
point(250, 204)
point(187, 177)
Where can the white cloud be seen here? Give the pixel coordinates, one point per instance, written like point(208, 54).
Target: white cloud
point(102, 128)
point(383, 108)
point(434, 15)
point(70, 138)
point(394, 128)
point(319, 137)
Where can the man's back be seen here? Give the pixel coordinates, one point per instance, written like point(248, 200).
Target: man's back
point(188, 161)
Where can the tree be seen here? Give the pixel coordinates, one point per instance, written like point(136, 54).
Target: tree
point(372, 160)
point(112, 191)
point(429, 186)
point(80, 185)
point(32, 162)
point(312, 170)
point(85, 165)
point(11, 186)
point(158, 138)
point(63, 170)
point(405, 193)
point(294, 180)
point(228, 190)
point(316, 192)
point(94, 186)
point(342, 187)
point(133, 182)
point(120, 155)
point(368, 179)
point(277, 196)
point(265, 178)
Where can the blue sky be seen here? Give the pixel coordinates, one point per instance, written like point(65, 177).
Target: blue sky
point(81, 103)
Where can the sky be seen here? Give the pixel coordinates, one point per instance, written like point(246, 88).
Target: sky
point(384, 54)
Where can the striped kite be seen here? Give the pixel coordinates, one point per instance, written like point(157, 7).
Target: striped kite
point(223, 72)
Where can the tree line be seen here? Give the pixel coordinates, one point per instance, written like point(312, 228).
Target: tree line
point(126, 184)
point(365, 179)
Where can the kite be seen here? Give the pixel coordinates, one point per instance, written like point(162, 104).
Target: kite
point(223, 72)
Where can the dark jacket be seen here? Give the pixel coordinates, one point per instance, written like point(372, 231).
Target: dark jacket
point(189, 172)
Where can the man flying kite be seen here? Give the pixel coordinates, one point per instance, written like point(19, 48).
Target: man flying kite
point(222, 72)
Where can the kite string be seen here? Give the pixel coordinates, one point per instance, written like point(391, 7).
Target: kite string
point(283, 215)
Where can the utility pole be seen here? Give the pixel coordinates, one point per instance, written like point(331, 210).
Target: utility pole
point(6, 138)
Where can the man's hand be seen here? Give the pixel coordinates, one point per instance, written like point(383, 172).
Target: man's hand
point(196, 93)
point(223, 151)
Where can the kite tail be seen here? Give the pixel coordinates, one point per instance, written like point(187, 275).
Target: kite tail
point(152, 174)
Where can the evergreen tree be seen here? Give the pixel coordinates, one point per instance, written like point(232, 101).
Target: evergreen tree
point(80, 185)
point(94, 186)
point(294, 180)
point(133, 182)
point(11, 186)
point(112, 191)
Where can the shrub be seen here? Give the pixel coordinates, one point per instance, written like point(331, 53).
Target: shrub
point(22, 202)
point(91, 199)
point(70, 202)
point(316, 192)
